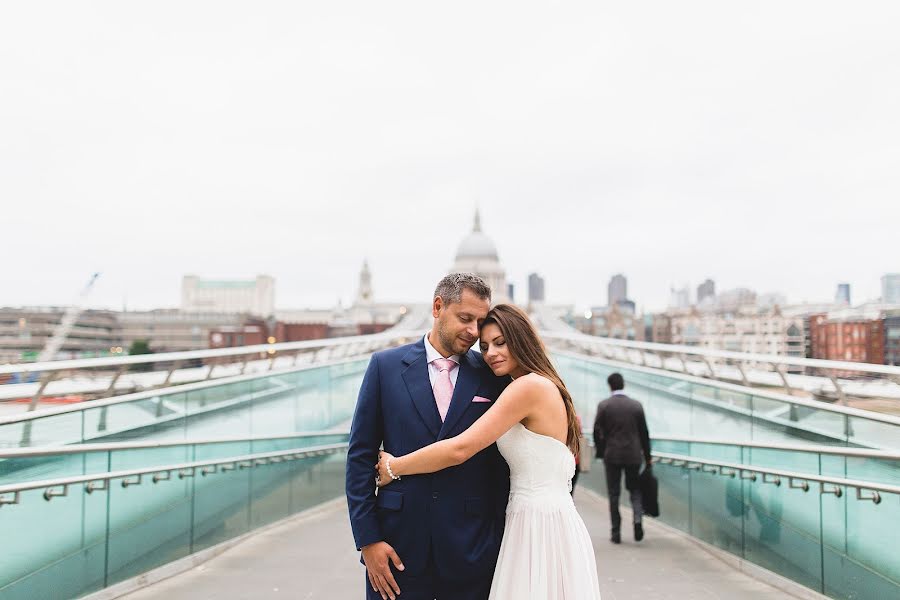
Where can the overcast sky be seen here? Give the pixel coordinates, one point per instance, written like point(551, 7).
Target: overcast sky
point(756, 143)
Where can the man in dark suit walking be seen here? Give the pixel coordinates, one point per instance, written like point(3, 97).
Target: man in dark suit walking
point(436, 535)
point(622, 441)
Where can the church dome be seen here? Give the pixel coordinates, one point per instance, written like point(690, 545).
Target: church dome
point(477, 244)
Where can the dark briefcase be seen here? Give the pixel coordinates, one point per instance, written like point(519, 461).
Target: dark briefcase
point(649, 491)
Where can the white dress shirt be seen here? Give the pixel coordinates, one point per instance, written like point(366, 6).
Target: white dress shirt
point(430, 355)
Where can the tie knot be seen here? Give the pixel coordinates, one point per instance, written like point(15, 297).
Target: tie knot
point(443, 364)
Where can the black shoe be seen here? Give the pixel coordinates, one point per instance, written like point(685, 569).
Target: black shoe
point(638, 532)
point(616, 537)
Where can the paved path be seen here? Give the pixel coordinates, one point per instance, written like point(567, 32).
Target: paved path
point(312, 557)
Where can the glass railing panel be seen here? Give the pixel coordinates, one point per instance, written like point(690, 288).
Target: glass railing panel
point(71, 564)
point(712, 414)
point(149, 523)
point(327, 475)
point(159, 417)
point(312, 403)
point(138, 458)
point(220, 500)
point(66, 550)
point(839, 545)
point(678, 406)
point(713, 518)
point(876, 434)
point(219, 411)
point(674, 495)
point(346, 379)
point(777, 522)
point(41, 432)
point(270, 491)
point(873, 469)
point(786, 460)
point(315, 398)
point(858, 552)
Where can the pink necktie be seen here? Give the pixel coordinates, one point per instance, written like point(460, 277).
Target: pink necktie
point(443, 386)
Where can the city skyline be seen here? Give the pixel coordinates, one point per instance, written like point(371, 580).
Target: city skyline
point(293, 141)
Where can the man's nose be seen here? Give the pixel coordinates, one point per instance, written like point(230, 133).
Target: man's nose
point(472, 330)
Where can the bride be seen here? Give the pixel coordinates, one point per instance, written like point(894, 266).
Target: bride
point(546, 552)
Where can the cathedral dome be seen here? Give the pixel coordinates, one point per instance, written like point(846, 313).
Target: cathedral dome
point(477, 244)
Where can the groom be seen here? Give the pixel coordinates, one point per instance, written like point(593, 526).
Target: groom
point(434, 536)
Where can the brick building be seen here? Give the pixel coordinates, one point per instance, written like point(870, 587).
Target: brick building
point(846, 336)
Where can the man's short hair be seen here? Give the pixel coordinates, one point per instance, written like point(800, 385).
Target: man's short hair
point(616, 382)
point(450, 287)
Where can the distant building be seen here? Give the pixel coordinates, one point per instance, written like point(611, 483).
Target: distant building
point(660, 329)
point(259, 331)
point(254, 297)
point(172, 330)
point(627, 307)
point(478, 254)
point(851, 335)
point(511, 292)
point(771, 299)
point(617, 290)
point(892, 338)
point(842, 295)
point(25, 331)
point(738, 297)
point(365, 315)
point(680, 298)
point(535, 288)
point(890, 288)
point(364, 294)
point(705, 290)
point(613, 322)
point(744, 328)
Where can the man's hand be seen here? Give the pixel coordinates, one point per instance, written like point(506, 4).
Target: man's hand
point(376, 557)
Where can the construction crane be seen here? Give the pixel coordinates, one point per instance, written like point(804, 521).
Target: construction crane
point(70, 317)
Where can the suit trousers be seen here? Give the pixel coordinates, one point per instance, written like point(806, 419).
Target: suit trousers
point(614, 489)
point(429, 586)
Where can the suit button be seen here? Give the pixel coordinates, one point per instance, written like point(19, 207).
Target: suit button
point(434, 495)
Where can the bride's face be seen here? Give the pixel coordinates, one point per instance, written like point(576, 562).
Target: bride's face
point(496, 352)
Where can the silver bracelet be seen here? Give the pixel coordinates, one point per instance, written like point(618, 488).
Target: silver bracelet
point(391, 473)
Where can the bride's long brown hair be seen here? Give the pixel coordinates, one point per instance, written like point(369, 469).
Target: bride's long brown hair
point(528, 350)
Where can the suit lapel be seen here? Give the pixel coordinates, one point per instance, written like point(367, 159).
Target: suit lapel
point(466, 386)
point(419, 387)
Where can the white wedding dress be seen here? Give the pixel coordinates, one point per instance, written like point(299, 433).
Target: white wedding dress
point(546, 553)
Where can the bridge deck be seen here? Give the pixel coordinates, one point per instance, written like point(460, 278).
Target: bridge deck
point(312, 557)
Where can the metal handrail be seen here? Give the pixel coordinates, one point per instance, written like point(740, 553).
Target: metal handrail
point(774, 476)
point(118, 446)
point(727, 354)
point(188, 469)
point(155, 393)
point(135, 476)
point(92, 363)
point(731, 387)
point(132, 445)
point(808, 448)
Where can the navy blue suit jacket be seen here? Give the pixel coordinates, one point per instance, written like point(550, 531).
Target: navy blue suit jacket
point(454, 516)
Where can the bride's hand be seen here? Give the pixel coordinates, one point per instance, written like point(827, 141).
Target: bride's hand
point(383, 478)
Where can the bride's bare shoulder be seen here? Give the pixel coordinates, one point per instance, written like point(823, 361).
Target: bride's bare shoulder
point(534, 383)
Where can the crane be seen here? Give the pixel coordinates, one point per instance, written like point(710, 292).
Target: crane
point(70, 317)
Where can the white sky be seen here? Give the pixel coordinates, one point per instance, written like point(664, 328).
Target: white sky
point(757, 143)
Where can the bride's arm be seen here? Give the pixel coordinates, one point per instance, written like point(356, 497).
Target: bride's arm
point(513, 405)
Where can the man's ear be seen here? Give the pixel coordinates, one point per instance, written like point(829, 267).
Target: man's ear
point(436, 306)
